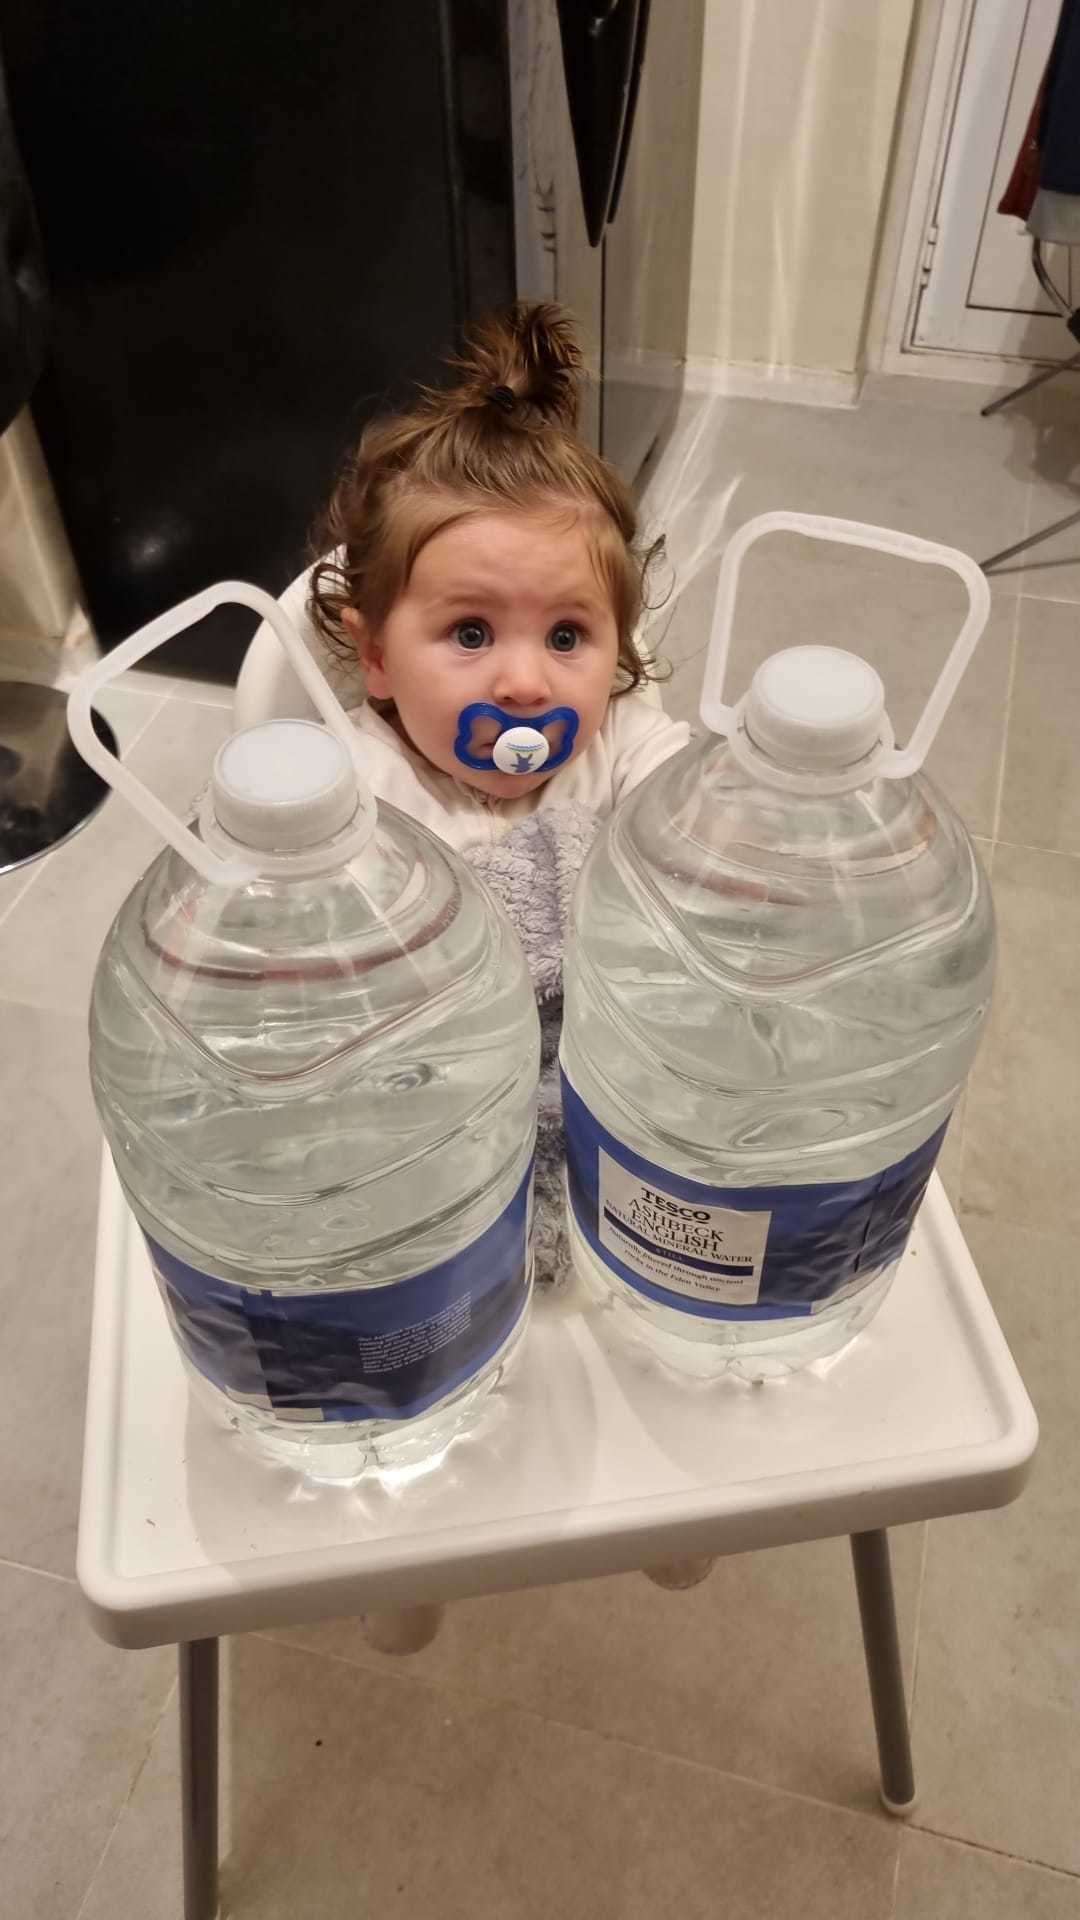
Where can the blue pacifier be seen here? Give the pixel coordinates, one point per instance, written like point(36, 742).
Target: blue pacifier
point(521, 746)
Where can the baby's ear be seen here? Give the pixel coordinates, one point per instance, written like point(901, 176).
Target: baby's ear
point(368, 652)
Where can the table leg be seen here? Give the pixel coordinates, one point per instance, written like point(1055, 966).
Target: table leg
point(402, 1629)
point(1030, 540)
point(877, 1610)
point(199, 1775)
point(677, 1575)
point(1037, 380)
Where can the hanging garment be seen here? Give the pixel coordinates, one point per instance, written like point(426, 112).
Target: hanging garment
point(1055, 213)
point(1019, 196)
point(1044, 185)
point(1059, 131)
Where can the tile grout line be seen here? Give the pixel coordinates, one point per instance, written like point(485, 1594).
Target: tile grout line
point(1048, 599)
point(162, 703)
point(36, 870)
point(39, 866)
point(45, 1573)
point(1025, 846)
point(982, 1218)
point(196, 700)
point(1070, 1874)
point(900, 1827)
point(1014, 652)
point(126, 1802)
point(920, 1594)
point(491, 1702)
point(19, 895)
point(1024, 569)
point(961, 1153)
point(1029, 503)
point(895, 1895)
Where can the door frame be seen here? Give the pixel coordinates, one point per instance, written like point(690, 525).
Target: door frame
point(934, 76)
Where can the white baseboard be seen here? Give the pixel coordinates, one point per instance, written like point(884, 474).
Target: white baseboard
point(643, 367)
point(981, 369)
point(799, 386)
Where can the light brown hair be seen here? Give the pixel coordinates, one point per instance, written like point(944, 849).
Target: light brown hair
point(502, 436)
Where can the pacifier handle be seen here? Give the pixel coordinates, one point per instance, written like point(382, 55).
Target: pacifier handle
point(120, 777)
point(892, 763)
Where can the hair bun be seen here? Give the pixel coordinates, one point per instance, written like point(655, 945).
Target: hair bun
point(527, 356)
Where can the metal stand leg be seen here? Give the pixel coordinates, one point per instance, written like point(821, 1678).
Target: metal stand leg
point(1032, 540)
point(1037, 380)
point(199, 1775)
point(1072, 321)
point(877, 1610)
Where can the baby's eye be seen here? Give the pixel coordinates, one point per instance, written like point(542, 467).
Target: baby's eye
point(473, 635)
point(564, 639)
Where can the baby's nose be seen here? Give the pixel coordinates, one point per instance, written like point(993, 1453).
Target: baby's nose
point(521, 678)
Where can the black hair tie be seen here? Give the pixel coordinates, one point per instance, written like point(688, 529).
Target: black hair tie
point(502, 398)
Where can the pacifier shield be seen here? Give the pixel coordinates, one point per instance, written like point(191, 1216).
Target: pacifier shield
point(518, 746)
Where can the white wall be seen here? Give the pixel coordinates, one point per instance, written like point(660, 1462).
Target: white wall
point(799, 109)
point(42, 631)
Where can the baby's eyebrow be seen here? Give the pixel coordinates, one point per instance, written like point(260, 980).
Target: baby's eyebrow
point(474, 597)
point(461, 593)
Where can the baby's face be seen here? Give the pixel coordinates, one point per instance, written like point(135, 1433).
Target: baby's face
point(505, 608)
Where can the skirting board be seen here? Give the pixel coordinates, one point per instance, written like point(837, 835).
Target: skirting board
point(799, 386)
point(980, 369)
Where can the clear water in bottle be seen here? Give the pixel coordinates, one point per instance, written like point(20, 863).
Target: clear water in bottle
point(780, 967)
point(318, 1082)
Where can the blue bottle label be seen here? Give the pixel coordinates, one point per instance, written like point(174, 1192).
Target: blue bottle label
point(355, 1353)
point(736, 1253)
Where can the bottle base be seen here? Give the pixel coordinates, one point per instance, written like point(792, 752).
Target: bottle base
point(694, 1348)
point(339, 1453)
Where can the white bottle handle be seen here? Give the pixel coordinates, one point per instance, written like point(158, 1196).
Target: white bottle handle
point(893, 763)
point(120, 777)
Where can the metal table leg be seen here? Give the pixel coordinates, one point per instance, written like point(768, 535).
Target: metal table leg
point(1037, 380)
point(1032, 540)
point(1072, 321)
point(199, 1775)
point(877, 1610)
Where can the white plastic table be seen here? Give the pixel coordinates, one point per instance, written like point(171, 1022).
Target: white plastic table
point(591, 1462)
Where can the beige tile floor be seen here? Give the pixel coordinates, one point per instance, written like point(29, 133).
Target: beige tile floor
point(610, 1751)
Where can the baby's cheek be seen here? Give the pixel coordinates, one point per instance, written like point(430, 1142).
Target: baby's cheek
point(434, 719)
point(591, 717)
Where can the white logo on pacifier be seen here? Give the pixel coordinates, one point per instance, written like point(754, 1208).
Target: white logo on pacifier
point(520, 750)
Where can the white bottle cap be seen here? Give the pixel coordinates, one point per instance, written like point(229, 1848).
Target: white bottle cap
point(815, 707)
point(285, 785)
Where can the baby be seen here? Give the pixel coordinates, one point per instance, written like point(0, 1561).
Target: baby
point(482, 556)
point(481, 564)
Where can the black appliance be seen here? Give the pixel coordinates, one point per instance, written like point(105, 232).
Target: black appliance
point(263, 219)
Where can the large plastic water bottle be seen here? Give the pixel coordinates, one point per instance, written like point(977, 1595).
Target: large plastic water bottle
point(315, 1054)
point(778, 974)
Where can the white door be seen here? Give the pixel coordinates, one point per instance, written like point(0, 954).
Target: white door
point(978, 292)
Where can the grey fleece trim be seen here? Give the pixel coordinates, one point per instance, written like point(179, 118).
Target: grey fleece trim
point(533, 871)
